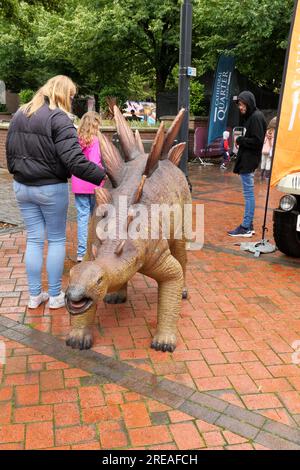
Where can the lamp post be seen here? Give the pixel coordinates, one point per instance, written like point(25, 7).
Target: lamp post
point(185, 54)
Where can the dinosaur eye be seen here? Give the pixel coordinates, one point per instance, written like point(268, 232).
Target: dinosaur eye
point(99, 280)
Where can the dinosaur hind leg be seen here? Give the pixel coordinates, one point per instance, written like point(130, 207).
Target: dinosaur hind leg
point(178, 250)
point(168, 274)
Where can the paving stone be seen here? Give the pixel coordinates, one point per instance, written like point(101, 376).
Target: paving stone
point(166, 397)
point(176, 388)
point(208, 401)
point(273, 442)
point(21, 328)
point(14, 335)
point(199, 412)
point(283, 431)
point(245, 415)
point(5, 295)
point(233, 425)
point(6, 322)
point(159, 417)
point(93, 380)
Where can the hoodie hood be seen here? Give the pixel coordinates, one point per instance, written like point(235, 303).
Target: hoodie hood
point(249, 99)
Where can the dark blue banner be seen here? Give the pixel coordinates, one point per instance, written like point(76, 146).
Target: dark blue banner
point(220, 99)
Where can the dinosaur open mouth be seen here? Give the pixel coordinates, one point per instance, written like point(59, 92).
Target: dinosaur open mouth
point(80, 306)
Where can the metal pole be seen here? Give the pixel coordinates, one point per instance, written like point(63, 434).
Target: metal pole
point(185, 55)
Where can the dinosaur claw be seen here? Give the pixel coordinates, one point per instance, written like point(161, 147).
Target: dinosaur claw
point(163, 347)
point(184, 293)
point(157, 346)
point(80, 339)
point(164, 342)
point(115, 298)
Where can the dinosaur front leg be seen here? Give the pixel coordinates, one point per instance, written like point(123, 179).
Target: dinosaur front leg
point(80, 337)
point(118, 297)
point(178, 250)
point(169, 276)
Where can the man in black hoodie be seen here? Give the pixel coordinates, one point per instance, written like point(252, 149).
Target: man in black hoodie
point(248, 158)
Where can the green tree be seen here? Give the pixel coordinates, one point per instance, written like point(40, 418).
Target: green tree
point(254, 31)
point(10, 9)
point(134, 44)
point(150, 31)
point(105, 41)
point(22, 64)
point(196, 98)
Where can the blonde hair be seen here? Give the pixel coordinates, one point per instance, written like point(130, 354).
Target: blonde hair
point(89, 127)
point(58, 90)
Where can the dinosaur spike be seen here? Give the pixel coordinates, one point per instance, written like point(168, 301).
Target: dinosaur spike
point(176, 152)
point(103, 196)
point(119, 249)
point(94, 250)
point(172, 133)
point(139, 142)
point(126, 135)
point(113, 162)
point(130, 216)
point(139, 191)
point(129, 220)
point(156, 150)
point(111, 102)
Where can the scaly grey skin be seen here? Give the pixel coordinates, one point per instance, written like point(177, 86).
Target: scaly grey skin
point(110, 264)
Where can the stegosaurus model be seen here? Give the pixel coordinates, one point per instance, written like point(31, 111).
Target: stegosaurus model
point(110, 263)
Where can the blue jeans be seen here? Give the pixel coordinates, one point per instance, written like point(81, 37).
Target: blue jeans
point(248, 189)
point(85, 204)
point(44, 210)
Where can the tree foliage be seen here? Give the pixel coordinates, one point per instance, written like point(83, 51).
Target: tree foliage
point(254, 31)
point(10, 9)
point(133, 45)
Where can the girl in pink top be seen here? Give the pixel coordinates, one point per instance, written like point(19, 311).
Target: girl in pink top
point(85, 192)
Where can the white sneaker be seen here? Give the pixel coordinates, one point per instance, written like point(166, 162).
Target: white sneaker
point(36, 300)
point(79, 259)
point(58, 301)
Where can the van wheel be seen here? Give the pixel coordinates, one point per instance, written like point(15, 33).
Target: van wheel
point(287, 239)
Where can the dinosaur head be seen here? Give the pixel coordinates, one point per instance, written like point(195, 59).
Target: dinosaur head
point(88, 284)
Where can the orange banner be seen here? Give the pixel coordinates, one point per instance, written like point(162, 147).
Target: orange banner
point(287, 148)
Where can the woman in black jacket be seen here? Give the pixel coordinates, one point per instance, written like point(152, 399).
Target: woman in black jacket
point(42, 153)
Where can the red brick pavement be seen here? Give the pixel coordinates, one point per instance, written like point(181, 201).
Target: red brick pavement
point(43, 410)
point(235, 340)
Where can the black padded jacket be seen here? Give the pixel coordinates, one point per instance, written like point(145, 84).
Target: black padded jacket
point(44, 149)
point(251, 144)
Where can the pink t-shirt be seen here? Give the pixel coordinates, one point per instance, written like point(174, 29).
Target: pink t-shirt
point(93, 154)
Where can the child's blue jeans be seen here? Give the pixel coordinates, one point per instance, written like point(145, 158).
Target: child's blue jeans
point(44, 210)
point(85, 204)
